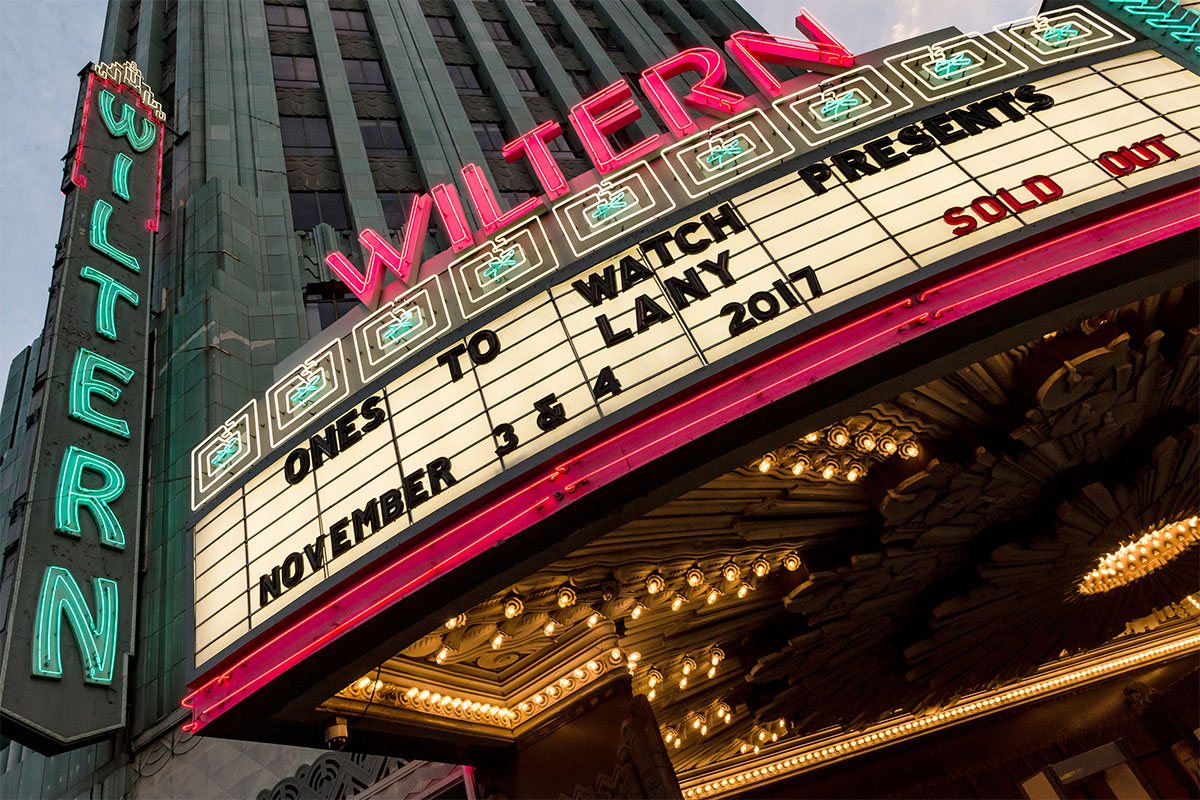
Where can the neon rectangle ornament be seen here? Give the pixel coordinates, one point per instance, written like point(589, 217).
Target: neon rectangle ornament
point(624, 201)
point(763, 144)
point(1036, 36)
point(398, 328)
point(225, 453)
point(316, 385)
point(875, 98)
point(511, 260)
point(918, 67)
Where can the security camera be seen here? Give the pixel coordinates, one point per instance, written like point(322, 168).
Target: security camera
point(336, 734)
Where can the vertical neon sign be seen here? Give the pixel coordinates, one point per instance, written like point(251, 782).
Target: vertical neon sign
point(70, 618)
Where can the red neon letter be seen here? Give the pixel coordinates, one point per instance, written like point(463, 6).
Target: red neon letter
point(706, 93)
point(605, 112)
point(533, 144)
point(451, 213)
point(484, 201)
point(380, 253)
point(750, 50)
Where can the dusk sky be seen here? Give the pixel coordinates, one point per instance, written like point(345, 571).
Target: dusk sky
point(46, 42)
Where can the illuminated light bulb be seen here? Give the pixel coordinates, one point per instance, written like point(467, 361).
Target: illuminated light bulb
point(887, 445)
point(743, 589)
point(579, 674)
point(635, 656)
point(689, 664)
point(791, 562)
point(498, 640)
point(363, 683)
point(782, 724)
point(683, 682)
point(671, 733)
point(866, 442)
point(909, 450)
point(564, 682)
point(762, 735)
point(829, 470)
point(744, 747)
point(655, 583)
point(654, 678)
point(413, 692)
point(651, 694)
point(760, 566)
point(694, 576)
point(594, 666)
point(704, 730)
point(538, 699)
point(839, 437)
point(442, 654)
point(513, 606)
point(716, 656)
point(854, 472)
point(678, 742)
point(458, 703)
point(615, 655)
point(435, 697)
point(593, 620)
point(550, 627)
point(696, 722)
point(677, 602)
point(766, 464)
point(552, 691)
point(756, 749)
point(712, 671)
point(713, 594)
point(423, 695)
point(801, 464)
point(638, 608)
point(731, 572)
point(451, 624)
point(566, 597)
point(811, 437)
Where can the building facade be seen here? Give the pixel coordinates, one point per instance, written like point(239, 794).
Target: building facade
point(292, 127)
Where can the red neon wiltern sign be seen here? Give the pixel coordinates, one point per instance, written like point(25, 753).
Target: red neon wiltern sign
point(595, 119)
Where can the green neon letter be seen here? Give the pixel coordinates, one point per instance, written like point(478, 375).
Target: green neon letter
point(99, 237)
point(121, 165)
point(72, 494)
point(124, 125)
point(84, 384)
point(96, 636)
point(106, 300)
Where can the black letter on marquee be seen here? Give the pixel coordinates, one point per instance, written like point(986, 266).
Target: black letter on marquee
point(347, 433)
point(392, 504)
point(450, 360)
point(649, 312)
point(414, 490)
point(293, 570)
point(296, 466)
point(373, 413)
point(338, 541)
point(323, 447)
point(691, 248)
point(689, 284)
point(507, 435)
point(720, 268)
point(368, 517)
point(550, 414)
point(659, 245)
point(922, 142)
point(315, 553)
point(606, 383)
point(598, 288)
point(475, 347)
point(606, 332)
point(633, 272)
point(809, 275)
point(727, 218)
point(1036, 101)
point(268, 587)
point(815, 176)
point(851, 162)
point(884, 154)
point(439, 473)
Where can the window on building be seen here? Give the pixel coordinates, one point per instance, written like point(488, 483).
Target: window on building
point(582, 80)
point(554, 35)
point(364, 74)
point(309, 209)
point(396, 206)
point(526, 83)
point(383, 137)
point(605, 38)
point(308, 135)
point(443, 29)
point(286, 18)
point(351, 22)
point(324, 303)
point(491, 137)
point(465, 79)
point(295, 71)
point(500, 32)
point(168, 48)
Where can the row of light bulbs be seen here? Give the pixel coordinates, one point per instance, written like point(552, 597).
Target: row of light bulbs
point(1138, 558)
point(850, 745)
point(697, 721)
point(688, 666)
point(758, 738)
point(830, 467)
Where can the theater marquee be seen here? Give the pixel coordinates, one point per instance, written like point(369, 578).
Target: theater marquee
point(657, 276)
